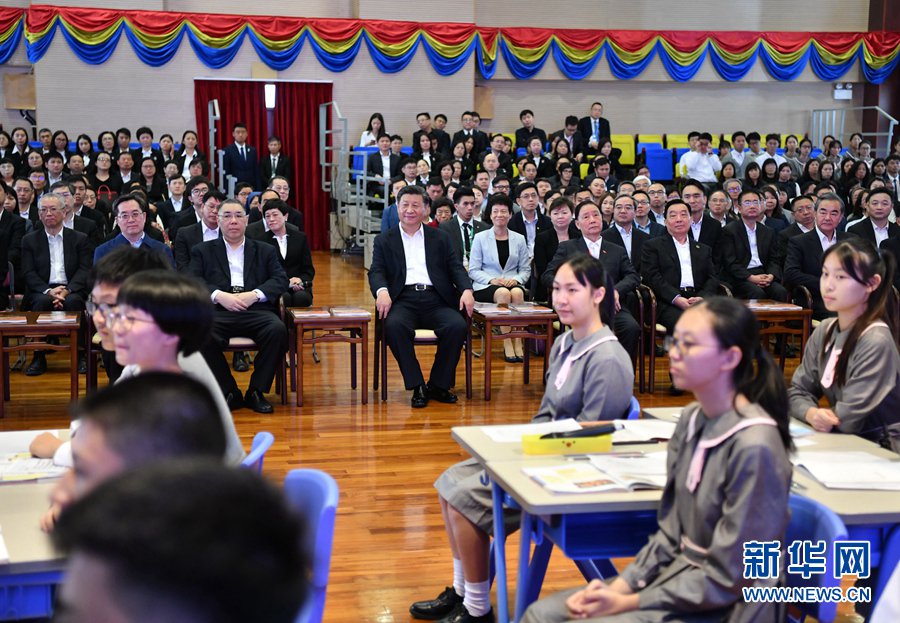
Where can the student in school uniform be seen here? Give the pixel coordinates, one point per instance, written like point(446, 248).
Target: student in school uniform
point(853, 360)
point(590, 379)
point(728, 483)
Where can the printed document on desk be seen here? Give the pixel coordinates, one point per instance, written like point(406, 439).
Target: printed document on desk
point(643, 431)
point(637, 472)
point(22, 466)
point(851, 470)
point(512, 433)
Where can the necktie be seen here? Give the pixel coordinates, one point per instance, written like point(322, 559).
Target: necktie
point(243, 155)
point(596, 128)
point(274, 164)
point(896, 187)
point(468, 240)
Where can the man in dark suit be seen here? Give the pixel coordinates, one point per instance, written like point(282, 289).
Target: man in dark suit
point(27, 207)
point(876, 227)
point(195, 191)
point(278, 189)
point(124, 173)
point(241, 159)
point(418, 281)
point(423, 119)
point(704, 228)
point(804, 210)
point(528, 131)
point(170, 209)
point(293, 253)
point(593, 128)
point(383, 163)
point(246, 281)
point(204, 231)
point(78, 186)
point(146, 150)
point(84, 225)
point(892, 246)
point(276, 163)
point(131, 218)
point(12, 229)
point(528, 221)
point(749, 254)
point(462, 227)
point(615, 261)
point(55, 265)
point(504, 162)
point(469, 129)
point(573, 137)
point(803, 264)
point(643, 219)
point(624, 233)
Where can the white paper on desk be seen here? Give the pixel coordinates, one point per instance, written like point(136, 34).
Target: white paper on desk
point(512, 433)
point(851, 470)
point(18, 441)
point(647, 466)
point(4, 553)
point(799, 430)
point(14, 467)
point(633, 431)
point(803, 443)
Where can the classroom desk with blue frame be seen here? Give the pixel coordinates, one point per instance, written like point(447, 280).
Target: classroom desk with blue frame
point(592, 528)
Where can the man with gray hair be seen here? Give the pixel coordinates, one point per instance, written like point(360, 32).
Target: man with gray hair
point(55, 265)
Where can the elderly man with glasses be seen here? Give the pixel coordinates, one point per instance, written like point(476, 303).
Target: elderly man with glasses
point(131, 217)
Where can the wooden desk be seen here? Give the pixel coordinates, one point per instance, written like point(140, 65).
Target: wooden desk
point(32, 329)
point(35, 568)
point(352, 329)
point(780, 321)
point(529, 326)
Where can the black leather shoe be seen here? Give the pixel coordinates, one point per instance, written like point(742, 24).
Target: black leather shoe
point(461, 615)
point(442, 395)
point(239, 363)
point(82, 365)
point(256, 401)
point(234, 401)
point(434, 609)
point(38, 365)
point(419, 397)
point(513, 359)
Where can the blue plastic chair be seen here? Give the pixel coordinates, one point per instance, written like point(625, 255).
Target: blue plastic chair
point(660, 163)
point(634, 409)
point(812, 521)
point(261, 444)
point(359, 159)
point(314, 495)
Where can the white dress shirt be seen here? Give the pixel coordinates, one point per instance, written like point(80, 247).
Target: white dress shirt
point(754, 262)
point(881, 233)
point(57, 259)
point(414, 251)
point(282, 244)
point(626, 238)
point(236, 268)
point(684, 259)
point(177, 203)
point(594, 247)
point(386, 165)
point(209, 234)
point(701, 167)
point(826, 243)
point(695, 228)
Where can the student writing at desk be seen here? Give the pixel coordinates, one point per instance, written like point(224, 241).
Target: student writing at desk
point(853, 360)
point(728, 480)
point(590, 378)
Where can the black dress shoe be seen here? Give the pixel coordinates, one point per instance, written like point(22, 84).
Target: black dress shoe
point(234, 401)
point(38, 365)
point(434, 609)
point(256, 401)
point(442, 395)
point(461, 615)
point(82, 365)
point(511, 359)
point(239, 363)
point(419, 397)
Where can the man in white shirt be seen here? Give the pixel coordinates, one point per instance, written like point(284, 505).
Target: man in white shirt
point(892, 174)
point(702, 164)
point(877, 227)
point(415, 289)
point(736, 155)
point(657, 194)
point(773, 142)
point(246, 288)
point(463, 226)
point(125, 162)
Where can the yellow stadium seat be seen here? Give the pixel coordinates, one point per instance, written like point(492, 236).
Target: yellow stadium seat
point(674, 141)
point(650, 138)
point(585, 167)
point(511, 136)
point(625, 142)
point(515, 170)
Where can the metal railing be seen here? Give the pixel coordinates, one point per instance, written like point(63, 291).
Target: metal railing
point(825, 121)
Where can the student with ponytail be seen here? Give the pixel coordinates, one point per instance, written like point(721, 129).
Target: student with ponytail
point(853, 360)
point(728, 483)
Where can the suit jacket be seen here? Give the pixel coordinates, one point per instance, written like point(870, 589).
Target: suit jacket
point(735, 251)
point(892, 245)
point(864, 229)
point(87, 227)
point(546, 167)
point(579, 142)
point(586, 128)
point(36, 261)
point(120, 241)
point(481, 140)
point(710, 233)
point(262, 270)
point(614, 258)
point(506, 163)
point(445, 269)
point(185, 218)
point(33, 218)
point(298, 261)
point(661, 268)
point(187, 238)
point(524, 136)
point(12, 229)
point(484, 262)
point(803, 264)
point(784, 236)
point(167, 213)
point(96, 216)
point(517, 224)
point(294, 217)
point(138, 154)
point(454, 229)
point(282, 168)
point(637, 243)
point(245, 170)
point(443, 140)
point(375, 167)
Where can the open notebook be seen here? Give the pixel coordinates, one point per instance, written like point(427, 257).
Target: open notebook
point(604, 472)
point(851, 470)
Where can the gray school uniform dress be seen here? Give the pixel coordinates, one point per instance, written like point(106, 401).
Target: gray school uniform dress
point(588, 380)
point(869, 401)
point(728, 483)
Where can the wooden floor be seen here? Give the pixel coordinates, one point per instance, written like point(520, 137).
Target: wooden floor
point(390, 548)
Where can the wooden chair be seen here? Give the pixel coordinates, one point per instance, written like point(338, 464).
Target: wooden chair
point(424, 337)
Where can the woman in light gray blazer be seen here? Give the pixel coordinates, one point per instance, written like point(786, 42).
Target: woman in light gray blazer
point(499, 266)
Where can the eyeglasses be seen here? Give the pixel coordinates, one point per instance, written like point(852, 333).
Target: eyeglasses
point(750, 204)
point(656, 192)
point(129, 216)
point(93, 307)
point(683, 347)
point(231, 216)
point(115, 317)
point(198, 191)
